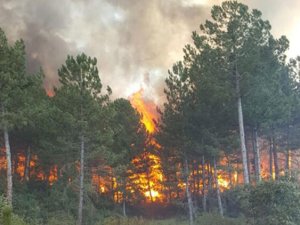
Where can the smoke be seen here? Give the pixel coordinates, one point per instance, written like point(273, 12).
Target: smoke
point(135, 41)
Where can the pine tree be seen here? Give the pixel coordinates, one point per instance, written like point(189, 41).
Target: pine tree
point(81, 99)
point(15, 87)
point(129, 138)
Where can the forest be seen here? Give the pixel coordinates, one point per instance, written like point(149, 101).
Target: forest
point(222, 149)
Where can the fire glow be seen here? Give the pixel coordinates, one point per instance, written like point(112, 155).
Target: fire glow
point(146, 108)
point(34, 171)
point(150, 180)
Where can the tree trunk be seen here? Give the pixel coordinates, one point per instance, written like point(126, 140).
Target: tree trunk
point(124, 198)
point(204, 200)
point(275, 160)
point(248, 159)
point(241, 129)
point(149, 184)
point(256, 156)
point(218, 189)
point(287, 160)
point(236, 174)
point(168, 187)
point(112, 188)
point(210, 187)
point(81, 178)
point(271, 158)
point(124, 208)
point(288, 155)
point(27, 164)
point(229, 169)
point(188, 193)
point(198, 180)
point(194, 181)
point(9, 168)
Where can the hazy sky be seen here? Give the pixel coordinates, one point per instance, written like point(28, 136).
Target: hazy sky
point(135, 41)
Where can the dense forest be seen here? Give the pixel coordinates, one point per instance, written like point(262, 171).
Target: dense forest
point(223, 148)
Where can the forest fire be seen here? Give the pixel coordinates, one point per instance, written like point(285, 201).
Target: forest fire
point(147, 178)
point(151, 179)
point(146, 108)
point(211, 136)
point(33, 170)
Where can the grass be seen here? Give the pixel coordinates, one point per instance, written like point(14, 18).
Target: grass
point(205, 219)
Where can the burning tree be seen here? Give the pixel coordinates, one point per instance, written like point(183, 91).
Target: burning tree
point(231, 114)
point(128, 141)
point(149, 176)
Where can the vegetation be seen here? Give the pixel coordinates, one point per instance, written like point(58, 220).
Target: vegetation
point(77, 157)
point(274, 203)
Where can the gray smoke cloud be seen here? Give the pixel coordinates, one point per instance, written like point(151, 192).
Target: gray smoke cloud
point(135, 41)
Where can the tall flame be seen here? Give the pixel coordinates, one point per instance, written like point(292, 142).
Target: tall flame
point(146, 108)
point(151, 181)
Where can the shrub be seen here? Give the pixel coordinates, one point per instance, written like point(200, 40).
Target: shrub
point(116, 220)
point(6, 215)
point(16, 220)
point(5, 212)
point(215, 219)
point(61, 219)
point(275, 203)
point(236, 201)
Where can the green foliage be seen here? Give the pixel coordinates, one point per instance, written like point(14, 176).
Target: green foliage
point(116, 220)
point(237, 201)
point(198, 120)
point(124, 221)
point(2, 202)
point(129, 134)
point(205, 219)
point(168, 222)
point(28, 205)
point(5, 212)
point(6, 215)
point(16, 220)
point(13, 84)
point(275, 203)
point(268, 203)
point(216, 219)
point(60, 219)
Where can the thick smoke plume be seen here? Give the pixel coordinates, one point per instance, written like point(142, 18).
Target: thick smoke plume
point(135, 41)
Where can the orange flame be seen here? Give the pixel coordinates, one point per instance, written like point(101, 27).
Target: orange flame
point(34, 172)
point(50, 92)
point(146, 108)
point(149, 181)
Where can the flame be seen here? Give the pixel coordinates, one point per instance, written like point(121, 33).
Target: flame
point(223, 182)
point(146, 108)
point(152, 193)
point(53, 175)
point(50, 92)
point(34, 171)
point(99, 182)
point(150, 180)
point(2, 159)
point(21, 165)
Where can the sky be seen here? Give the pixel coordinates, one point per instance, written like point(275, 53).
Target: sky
point(134, 41)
